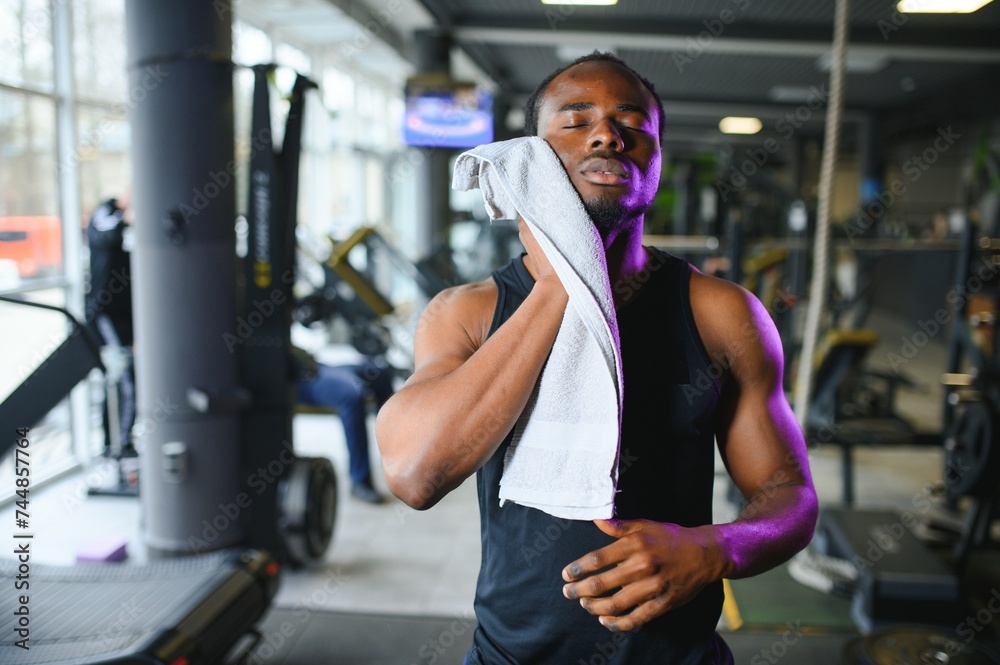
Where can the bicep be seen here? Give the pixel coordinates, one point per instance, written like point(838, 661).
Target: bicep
point(759, 438)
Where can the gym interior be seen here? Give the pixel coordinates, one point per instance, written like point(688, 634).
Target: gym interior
point(282, 173)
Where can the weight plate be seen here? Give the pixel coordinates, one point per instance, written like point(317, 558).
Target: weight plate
point(308, 508)
point(921, 645)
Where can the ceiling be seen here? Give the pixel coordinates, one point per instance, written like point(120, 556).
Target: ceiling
point(707, 58)
point(712, 58)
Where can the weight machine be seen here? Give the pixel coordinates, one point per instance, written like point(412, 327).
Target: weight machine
point(972, 398)
point(198, 610)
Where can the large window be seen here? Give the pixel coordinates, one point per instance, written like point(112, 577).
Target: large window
point(65, 146)
point(99, 50)
point(46, 195)
point(26, 44)
point(30, 229)
point(101, 161)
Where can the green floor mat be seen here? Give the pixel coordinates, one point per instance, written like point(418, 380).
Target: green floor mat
point(774, 599)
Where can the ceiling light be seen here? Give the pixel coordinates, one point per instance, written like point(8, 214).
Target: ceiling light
point(940, 6)
point(579, 2)
point(734, 125)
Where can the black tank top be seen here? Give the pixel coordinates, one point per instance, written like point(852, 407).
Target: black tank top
point(666, 474)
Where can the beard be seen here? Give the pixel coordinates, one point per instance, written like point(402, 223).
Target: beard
point(608, 216)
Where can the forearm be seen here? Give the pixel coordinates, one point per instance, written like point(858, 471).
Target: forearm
point(437, 431)
point(775, 525)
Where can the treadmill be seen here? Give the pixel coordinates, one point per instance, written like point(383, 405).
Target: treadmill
point(184, 611)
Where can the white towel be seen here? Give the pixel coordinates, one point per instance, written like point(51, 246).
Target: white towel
point(563, 458)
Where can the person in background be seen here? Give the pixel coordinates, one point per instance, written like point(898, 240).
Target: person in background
point(348, 389)
point(109, 305)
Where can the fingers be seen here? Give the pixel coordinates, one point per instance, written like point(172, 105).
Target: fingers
point(631, 606)
point(625, 573)
point(606, 556)
point(641, 615)
point(610, 555)
point(627, 598)
point(619, 528)
point(624, 583)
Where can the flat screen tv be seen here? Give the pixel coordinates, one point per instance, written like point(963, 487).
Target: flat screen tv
point(447, 114)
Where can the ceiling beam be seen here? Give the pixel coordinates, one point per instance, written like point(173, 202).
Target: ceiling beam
point(378, 22)
point(701, 41)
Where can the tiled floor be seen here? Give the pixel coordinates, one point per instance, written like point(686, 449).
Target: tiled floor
point(391, 559)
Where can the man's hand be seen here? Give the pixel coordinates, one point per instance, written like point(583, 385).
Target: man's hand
point(652, 568)
point(536, 262)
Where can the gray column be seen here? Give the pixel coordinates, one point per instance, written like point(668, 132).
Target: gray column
point(432, 55)
point(181, 111)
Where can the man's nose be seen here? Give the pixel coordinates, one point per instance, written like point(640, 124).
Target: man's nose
point(606, 135)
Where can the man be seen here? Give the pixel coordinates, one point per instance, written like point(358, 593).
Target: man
point(701, 361)
point(347, 389)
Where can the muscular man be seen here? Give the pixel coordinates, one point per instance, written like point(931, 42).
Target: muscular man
point(702, 362)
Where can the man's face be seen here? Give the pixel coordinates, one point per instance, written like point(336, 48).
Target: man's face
point(603, 124)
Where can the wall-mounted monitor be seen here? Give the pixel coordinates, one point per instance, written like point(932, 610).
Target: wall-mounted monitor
point(447, 114)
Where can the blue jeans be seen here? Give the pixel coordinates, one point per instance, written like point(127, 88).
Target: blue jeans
point(347, 388)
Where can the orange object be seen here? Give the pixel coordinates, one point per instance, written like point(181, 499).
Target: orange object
point(33, 242)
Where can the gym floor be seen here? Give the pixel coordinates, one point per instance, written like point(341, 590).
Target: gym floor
point(397, 585)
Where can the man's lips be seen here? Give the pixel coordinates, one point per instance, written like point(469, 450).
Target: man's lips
point(604, 171)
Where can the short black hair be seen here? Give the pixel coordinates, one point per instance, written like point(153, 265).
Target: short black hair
point(535, 100)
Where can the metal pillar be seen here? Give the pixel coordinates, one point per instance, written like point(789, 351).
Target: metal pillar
point(433, 55)
point(181, 111)
point(869, 165)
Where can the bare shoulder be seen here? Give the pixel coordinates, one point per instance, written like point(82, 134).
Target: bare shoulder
point(461, 311)
point(731, 321)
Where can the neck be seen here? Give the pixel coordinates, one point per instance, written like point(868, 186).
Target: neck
point(626, 258)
